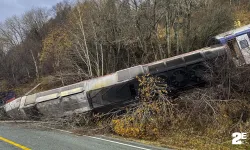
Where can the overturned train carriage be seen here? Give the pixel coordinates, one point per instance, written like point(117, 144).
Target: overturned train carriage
point(113, 90)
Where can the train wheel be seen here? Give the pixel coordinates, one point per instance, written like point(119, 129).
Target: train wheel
point(197, 72)
point(179, 78)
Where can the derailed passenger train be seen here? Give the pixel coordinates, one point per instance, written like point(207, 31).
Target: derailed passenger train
point(121, 88)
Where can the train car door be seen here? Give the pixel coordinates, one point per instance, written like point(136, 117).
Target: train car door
point(244, 45)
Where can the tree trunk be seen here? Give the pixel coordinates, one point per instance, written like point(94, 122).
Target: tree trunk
point(61, 77)
point(176, 32)
point(188, 27)
point(85, 42)
point(35, 64)
point(28, 73)
point(168, 34)
point(102, 58)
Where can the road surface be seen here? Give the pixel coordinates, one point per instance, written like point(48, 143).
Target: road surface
point(14, 137)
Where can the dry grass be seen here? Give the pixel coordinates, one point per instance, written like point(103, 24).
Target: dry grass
point(197, 119)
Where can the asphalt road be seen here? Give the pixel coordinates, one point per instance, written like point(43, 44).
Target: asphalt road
point(14, 137)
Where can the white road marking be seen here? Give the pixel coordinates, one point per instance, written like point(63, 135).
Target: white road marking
point(118, 143)
point(97, 138)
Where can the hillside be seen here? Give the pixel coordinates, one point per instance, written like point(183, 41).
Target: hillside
point(75, 41)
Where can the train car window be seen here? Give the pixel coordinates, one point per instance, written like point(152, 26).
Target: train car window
point(113, 94)
point(244, 44)
point(117, 93)
point(95, 97)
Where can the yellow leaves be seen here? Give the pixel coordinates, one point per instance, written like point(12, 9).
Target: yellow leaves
point(148, 118)
point(144, 122)
point(241, 17)
point(135, 129)
point(129, 128)
point(237, 24)
point(56, 45)
point(150, 88)
point(161, 31)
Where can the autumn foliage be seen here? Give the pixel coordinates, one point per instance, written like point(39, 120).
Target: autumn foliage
point(85, 39)
point(148, 119)
point(56, 48)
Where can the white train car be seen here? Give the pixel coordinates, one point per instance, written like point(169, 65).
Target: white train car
point(113, 90)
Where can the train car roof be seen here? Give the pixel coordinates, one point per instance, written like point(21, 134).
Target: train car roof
point(224, 37)
point(205, 49)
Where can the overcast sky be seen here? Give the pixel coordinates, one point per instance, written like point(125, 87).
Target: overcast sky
point(9, 8)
